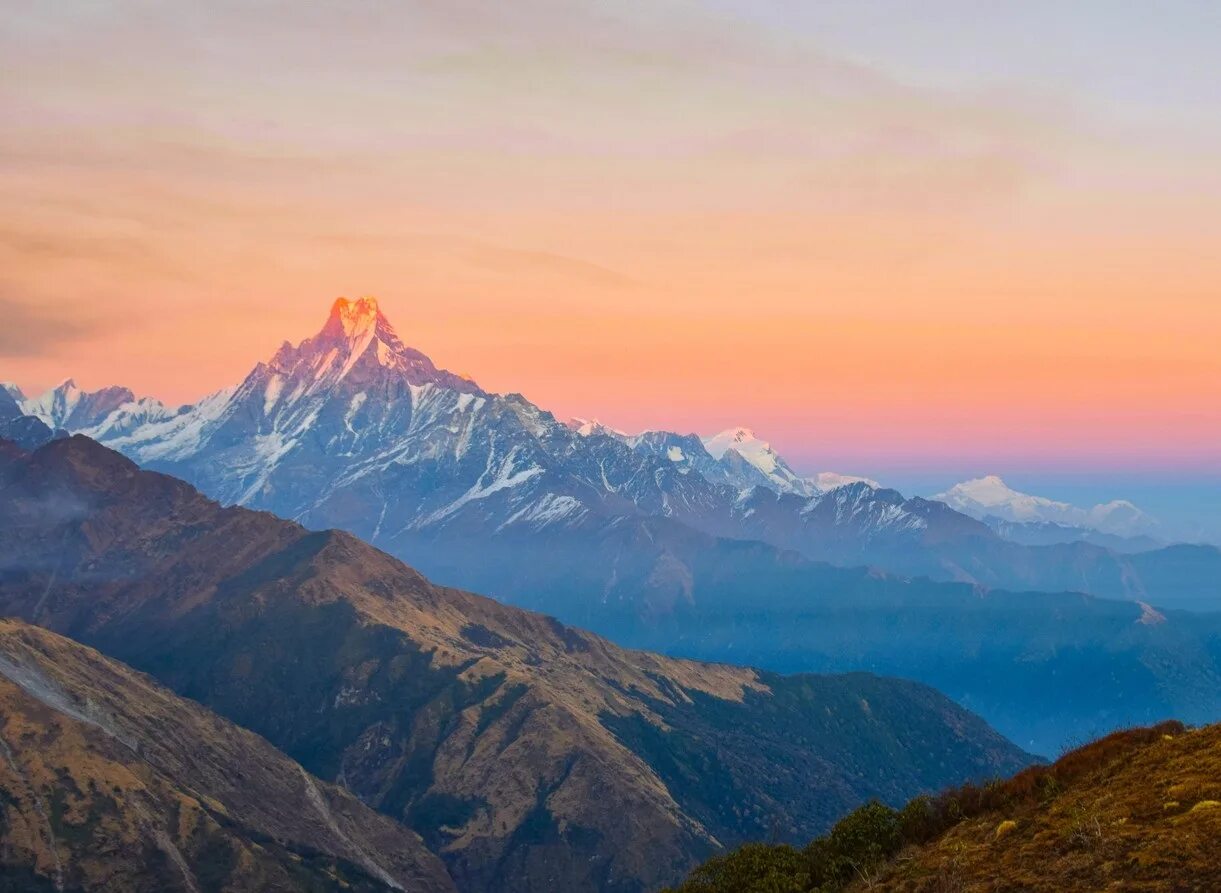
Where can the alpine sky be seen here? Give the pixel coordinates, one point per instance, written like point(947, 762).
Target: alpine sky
point(918, 253)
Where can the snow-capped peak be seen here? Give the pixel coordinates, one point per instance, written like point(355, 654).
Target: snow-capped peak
point(356, 341)
point(991, 496)
point(831, 480)
point(736, 446)
point(354, 320)
point(589, 427)
point(68, 406)
point(743, 440)
point(992, 492)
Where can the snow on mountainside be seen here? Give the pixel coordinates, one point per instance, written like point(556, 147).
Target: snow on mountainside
point(353, 429)
point(830, 480)
point(67, 406)
point(990, 496)
point(735, 457)
point(752, 457)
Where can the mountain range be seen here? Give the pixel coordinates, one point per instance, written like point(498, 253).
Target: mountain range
point(705, 547)
point(353, 429)
point(1038, 520)
point(527, 754)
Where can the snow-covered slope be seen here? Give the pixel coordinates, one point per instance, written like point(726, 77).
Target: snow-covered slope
point(754, 461)
point(991, 497)
point(69, 407)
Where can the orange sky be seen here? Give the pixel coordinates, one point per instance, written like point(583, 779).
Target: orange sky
point(688, 215)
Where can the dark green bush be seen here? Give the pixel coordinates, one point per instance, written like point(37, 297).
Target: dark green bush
point(753, 868)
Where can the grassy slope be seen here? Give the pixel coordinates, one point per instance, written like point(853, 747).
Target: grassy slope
point(1136, 812)
point(110, 782)
point(1139, 810)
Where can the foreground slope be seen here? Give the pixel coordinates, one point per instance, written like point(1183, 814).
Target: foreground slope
point(109, 782)
point(531, 755)
point(1139, 810)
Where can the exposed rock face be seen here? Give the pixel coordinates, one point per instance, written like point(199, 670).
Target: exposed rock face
point(111, 782)
point(531, 755)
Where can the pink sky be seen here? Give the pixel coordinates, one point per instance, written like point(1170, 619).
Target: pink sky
point(666, 216)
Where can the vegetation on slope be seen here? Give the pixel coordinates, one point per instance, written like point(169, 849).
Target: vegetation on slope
point(110, 782)
point(1138, 810)
point(531, 756)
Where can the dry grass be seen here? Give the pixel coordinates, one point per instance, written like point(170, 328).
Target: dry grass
point(1136, 811)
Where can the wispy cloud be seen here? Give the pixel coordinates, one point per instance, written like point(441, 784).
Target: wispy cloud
point(33, 329)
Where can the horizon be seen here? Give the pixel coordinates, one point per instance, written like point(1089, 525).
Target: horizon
point(891, 248)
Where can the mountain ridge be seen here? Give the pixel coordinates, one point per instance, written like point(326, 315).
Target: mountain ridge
point(111, 782)
point(497, 734)
point(353, 429)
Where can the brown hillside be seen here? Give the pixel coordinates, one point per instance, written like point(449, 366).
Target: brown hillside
point(530, 755)
point(1137, 811)
point(110, 782)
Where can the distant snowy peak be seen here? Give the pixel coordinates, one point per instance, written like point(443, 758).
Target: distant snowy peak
point(69, 407)
point(13, 391)
point(830, 480)
point(748, 457)
point(744, 442)
point(990, 496)
point(591, 427)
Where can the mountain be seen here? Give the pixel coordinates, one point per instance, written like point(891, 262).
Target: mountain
point(27, 431)
point(530, 755)
point(754, 462)
point(991, 497)
point(111, 782)
point(67, 406)
point(353, 429)
point(735, 457)
point(1050, 533)
point(1138, 810)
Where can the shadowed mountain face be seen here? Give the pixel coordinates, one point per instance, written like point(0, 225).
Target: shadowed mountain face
point(26, 431)
point(110, 782)
point(530, 755)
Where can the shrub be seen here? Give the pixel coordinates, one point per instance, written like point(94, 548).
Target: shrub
point(753, 868)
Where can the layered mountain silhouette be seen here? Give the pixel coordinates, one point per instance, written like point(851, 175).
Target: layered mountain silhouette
point(528, 754)
point(658, 542)
point(353, 429)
